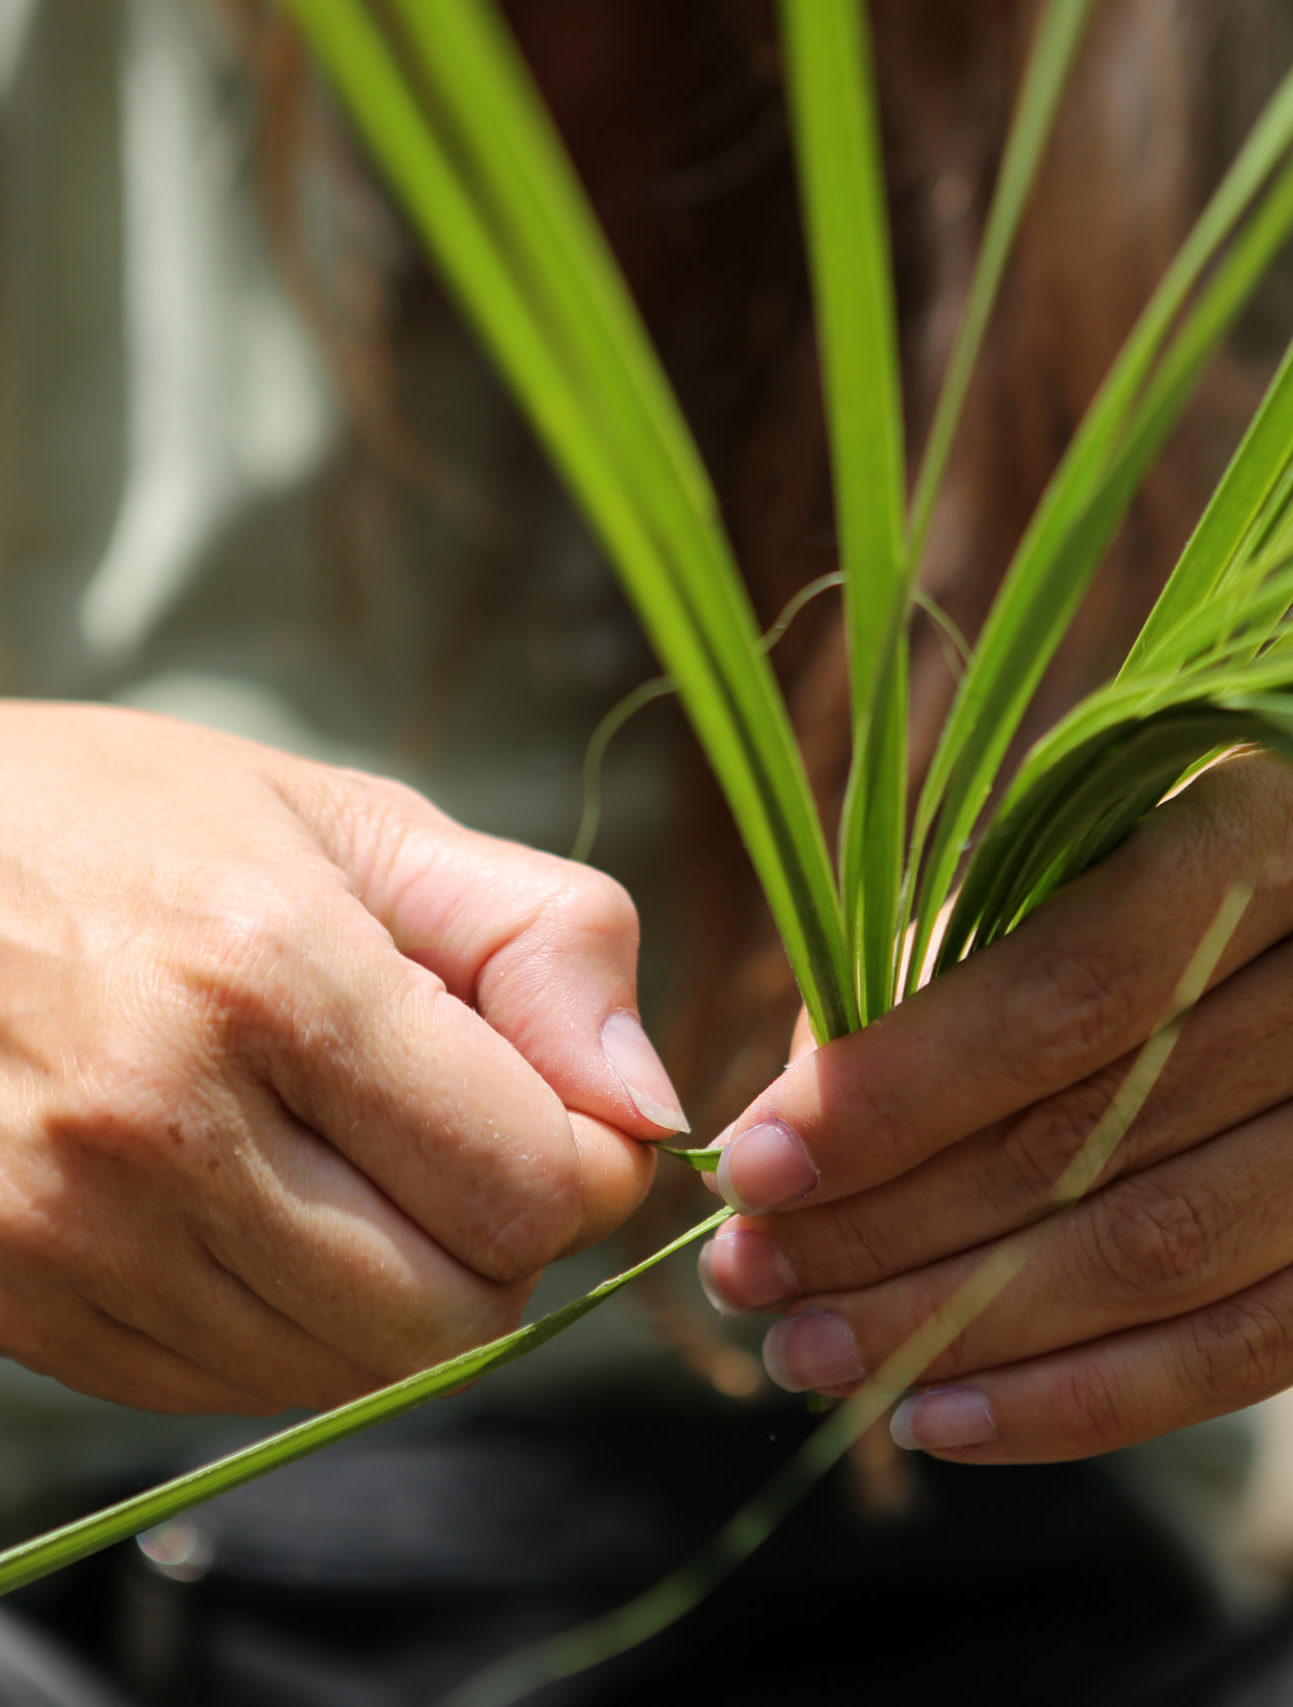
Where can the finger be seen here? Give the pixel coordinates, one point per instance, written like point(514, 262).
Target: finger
point(544, 949)
point(1113, 1392)
point(1083, 980)
point(154, 1275)
point(213, 1319)
point(1158, 1244)
point(421, 1095)
point(313, 1238)
point(171, 1144)
point(1230, 1064)
point(61, 1336)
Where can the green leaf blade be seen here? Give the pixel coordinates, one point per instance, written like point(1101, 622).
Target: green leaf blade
point(1059, 35)
point(30, 1560)
point(595, 400)
point(840, 168)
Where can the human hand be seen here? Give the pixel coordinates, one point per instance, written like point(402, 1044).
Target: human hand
point(895, 1160)
point(301, 1083)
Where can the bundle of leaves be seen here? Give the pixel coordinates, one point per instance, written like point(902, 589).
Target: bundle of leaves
point(446, 107)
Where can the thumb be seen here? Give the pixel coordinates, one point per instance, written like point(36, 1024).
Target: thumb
point(544, 949)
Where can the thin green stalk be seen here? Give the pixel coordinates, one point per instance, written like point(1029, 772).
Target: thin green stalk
point(838, 154)
point(660, 687)
point(608, 727)
point(957, 647)
point(1060, 31)
point(30, 1560)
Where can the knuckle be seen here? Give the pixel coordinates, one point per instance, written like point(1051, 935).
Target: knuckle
point(256, 978)
point(877, 1114)
point(1096, 1407)
point(1148, 1239)
point(1069, 1012)
point(542, 1226)
point(852, 1244)
point(240, 960)
point(575, 910)
point(397, 801)
point(134, 1099)
point(585, 900)
point(1038, 1145)
point(1239, 1351)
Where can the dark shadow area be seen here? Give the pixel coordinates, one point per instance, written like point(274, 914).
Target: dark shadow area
point(384, 1572)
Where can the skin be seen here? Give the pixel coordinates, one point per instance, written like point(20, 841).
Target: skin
point(897, 1158)
point(301, 1083)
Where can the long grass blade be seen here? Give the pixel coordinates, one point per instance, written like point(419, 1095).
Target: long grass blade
point(33, 1559)
point(1059, 35)
point(452, 162)
point(838, 156)
point(522, 169)
point(839, 159)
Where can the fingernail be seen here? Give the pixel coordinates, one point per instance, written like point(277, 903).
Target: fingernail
point(742, 1270)
point(641, 1072)
point(941, 1419)
point(767, 1167)
point(811, 1351)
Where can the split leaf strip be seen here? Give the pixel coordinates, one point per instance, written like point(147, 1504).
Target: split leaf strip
point(1055, 45)
point(838, 154)
point(31, 1560)
point(608, 727)
point(646, 693)
point(1084, 503)
point(705, 1161)
point(454, 172)
point(956, 648)
point(515, 1678)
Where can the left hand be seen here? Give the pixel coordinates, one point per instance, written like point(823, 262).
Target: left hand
point(876, 1172)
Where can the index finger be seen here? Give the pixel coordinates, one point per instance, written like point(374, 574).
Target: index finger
point(1081, 982)
point(543, 949)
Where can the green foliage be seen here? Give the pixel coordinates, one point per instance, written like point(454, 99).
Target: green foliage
point(837, 148)
point(466, 145)
point(444, 104)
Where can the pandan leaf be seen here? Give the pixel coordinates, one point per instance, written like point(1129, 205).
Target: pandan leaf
point(31, 1560)
point(705, 1161)
point(488, 187)
point(838, 154)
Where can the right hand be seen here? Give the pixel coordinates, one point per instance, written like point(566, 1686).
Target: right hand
point(301, 1083)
